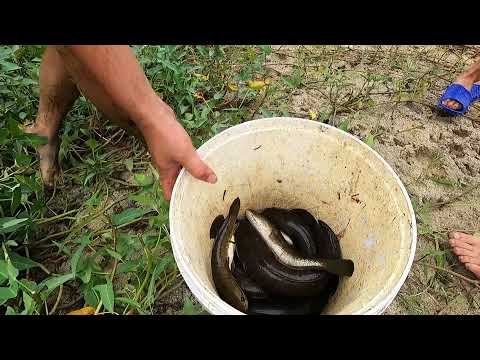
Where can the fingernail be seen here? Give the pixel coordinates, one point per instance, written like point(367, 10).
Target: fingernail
point(455, 235)
point(212, 179)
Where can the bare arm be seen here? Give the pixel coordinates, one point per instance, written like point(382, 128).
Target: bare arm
point(114, 81)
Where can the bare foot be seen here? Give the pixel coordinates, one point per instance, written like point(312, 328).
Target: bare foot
point(467, 247)
point(47, 154)
point(465, 81)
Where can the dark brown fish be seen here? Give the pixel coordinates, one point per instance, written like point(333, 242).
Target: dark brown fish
point(289, 306)
point(225, 283)
point(216, 226)
point(249, 287)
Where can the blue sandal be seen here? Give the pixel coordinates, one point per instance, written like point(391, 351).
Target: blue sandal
point(461, 95)
point(475, 92)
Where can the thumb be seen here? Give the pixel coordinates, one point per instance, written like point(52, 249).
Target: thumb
point(198, 169)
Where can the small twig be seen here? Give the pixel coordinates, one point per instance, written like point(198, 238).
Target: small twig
point(114, 237)
point(455, 198)
point(98, 307)
point(60, 292)
point(471, 281)
point(53, 218)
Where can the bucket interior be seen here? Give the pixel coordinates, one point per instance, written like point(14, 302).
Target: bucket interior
point(291, 163)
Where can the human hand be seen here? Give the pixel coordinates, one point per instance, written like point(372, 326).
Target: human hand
point(171, 149)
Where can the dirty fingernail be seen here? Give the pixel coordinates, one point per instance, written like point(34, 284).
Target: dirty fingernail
point(212, 178)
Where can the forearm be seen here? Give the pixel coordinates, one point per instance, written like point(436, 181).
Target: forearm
point(115, 71)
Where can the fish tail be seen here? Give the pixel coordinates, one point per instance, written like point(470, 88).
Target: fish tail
point(341, 267)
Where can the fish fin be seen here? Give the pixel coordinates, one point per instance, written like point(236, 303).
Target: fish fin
point(341, 267)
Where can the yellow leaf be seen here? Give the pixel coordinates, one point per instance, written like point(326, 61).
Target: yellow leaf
point(83, 311)
point(257, 84)
point(201, 76)
point(312, 114)
point(232, 87)
point(198, 96)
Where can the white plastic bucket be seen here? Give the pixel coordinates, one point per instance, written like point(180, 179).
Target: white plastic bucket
point(288, 162)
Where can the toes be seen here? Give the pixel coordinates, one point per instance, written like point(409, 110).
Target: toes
point(469, 259)
point(452, 104)
point(461, 238)
point(461, 244)
point(462, 251)
point(474, 269)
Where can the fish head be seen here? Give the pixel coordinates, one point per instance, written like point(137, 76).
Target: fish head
point(243, 305)
point(259, 222)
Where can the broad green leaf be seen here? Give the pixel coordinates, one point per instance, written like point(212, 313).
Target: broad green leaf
point(266, 49)
point(8, 66)
point(143, 180)
point(107, 295)
point(22, 159)
point(88, 177)
point(143, 199)
point(126, 267)
point(94, 199)
point(29, 286)
point(10, 311)
point(129, 164)
point(86, 274)
point(344, 125)
point(55, 282)
point(189, 308)
point(7, 293)
point(16, 197)
point(12, 222)
point(12, 272)
point(3, 270)
point(36, 139)
point(28, 303)
point(31, 184)
point(90, 296)
point(84, 240)
point(21, 262)
point(91, 143)
point(114, 254)
point(288, 81)
point(14, 129)
point(188, 116)
point(370, 140)
point(127, 215)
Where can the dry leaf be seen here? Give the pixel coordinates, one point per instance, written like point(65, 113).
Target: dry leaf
point(232, 87)
point(201, 76)
point(198, 95)
point(257, 84)
point(88, 310)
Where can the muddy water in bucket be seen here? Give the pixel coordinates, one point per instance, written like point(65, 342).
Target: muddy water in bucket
point(294, 163)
